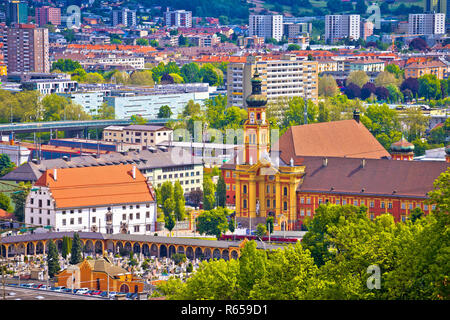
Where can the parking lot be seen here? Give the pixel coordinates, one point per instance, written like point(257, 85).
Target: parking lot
point(19, 293)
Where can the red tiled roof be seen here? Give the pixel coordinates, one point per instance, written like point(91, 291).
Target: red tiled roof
point(93, 186)
point(346, 138)
point(5, 214)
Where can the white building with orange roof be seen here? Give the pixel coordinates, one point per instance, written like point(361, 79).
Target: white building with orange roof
point(106, 199)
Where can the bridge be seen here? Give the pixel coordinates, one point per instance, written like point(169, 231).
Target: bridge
point(27, 127)
point(94, 242)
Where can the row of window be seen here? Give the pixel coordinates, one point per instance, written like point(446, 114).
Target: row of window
point(164, 176)
point(109, 208)
point(39, 221)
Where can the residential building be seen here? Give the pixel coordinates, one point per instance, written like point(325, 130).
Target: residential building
point(438, 6)
point(426, 23)
point(366, 65)
point(16, 154)
point(144, 135)
point(178, 18)
point(291, 30)
point(125, 61)
point(125, 17)
point(16, 12)
point(91, 101)
point(420, 68)
point(266, 26)
point(289, 76)
point(146, 103)
point(48, 15)
point(45, 83)
point(105, 199)
point(338, 27)
point(366, 29)
point(26, 49)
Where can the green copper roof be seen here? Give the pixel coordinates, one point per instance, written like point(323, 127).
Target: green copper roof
point(256, 98)
point(402, 146)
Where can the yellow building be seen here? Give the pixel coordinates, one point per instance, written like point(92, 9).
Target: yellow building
point(99, 274)
point(3, 69)
point(263, 188)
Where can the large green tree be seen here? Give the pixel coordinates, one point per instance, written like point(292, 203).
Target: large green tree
point(221, 192)
point(77, 248)
point(52, 259)
point(213, 222)
point(209, 189)
point(179, 207)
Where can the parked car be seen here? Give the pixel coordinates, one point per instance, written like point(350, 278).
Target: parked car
point(58, 289)
point(75, 290)
point(112, 294)
point(68, 290)
point(96, 293)
point(28, 285)
point(131, 296)
point(44, 287)
point(104, 294)
point(83, 291)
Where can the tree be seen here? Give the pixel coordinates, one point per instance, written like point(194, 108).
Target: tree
point(19, 198)
point(169, 221)
point(359, 78)
point(209, 199)
point(411, 84)
point(367, 90)
point(164, 112)
point(105, 111)
point(384, 79)
point(142, 42)
point(195, 197)
point(213, 222)
point(6, 165)
point(395, 95)
point(191, 72)
point(352, 91)
point(324, 115)
point(142, 78)
point(221, 192)
point(416, 214)
point(66, 246)
point(394, 69)
point(327, 86)
point(293, 47)
point(66, 65)
point(211, 75)
point(415, 122)
point(52, 259)
point(93, 77)
point(269, 224)
point(418, 44)
point(5, 202)
point(261, 230)
point(437, 136)
point(429, 86)
point(178, 258)
point(382, 93)
point(178, 196)
point(77, 246)
point(138, 119)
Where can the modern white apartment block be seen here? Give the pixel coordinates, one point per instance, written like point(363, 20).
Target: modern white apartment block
point(342, 26)
point(105, 199)
point(284, 78)
point(145, 135)
point(124, 17)
point(178, 18)
point(266, 26)
point(426, 23)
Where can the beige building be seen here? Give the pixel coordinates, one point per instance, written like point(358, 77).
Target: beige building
point(287, 77)
point(145, 135)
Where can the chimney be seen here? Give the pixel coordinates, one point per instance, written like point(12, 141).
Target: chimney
point(55, 174)
point(134, 172)
point(356, 115)
point(363, 163)
point(325, 162)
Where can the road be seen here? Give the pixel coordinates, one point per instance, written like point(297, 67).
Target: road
point(18, 293)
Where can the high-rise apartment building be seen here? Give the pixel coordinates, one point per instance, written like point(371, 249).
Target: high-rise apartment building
point(426, 23)
point(436, 6)
point(26, 49)
point(284, 78)
point(266, 26)
point(342, 26)
point(366, 29)
point(124, 17)
point(178, 18)
point(291, 30)
point(16, 12)
point(48, 15)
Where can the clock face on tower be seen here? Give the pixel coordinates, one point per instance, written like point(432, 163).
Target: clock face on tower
point(252, 117)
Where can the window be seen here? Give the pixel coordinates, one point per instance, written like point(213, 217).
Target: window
point(138, 215)
point(94, 219)
point(338, 201)
point(390, 205)
point(308, 212)
point(403, 205)
point(382, 205)
point(268, 203)
point(268, 189)
point(320, 201)
point(124, 207)
point(40, 203)
point(285, 206)
point(147, 205)
point(79, 210)
point(285, 191)
point(274, 204)
point(80, 220)
point(344, 202)
point(32, 201)
point(410, 206)
point(245, 204)
point(131, 207)
point(72, 211)
point(308, 200)
point(64, 212)
point(136, 228)
point(124, 217)
point(131, 216)
point(355, 202)
point(425, 207)
point(72, 220)
point(148, 227)
point(244, 189)
point(63, 222)
point(147, 214)
point(302, 212)
point(48, 203)
point(94, 209)
point(372, 204)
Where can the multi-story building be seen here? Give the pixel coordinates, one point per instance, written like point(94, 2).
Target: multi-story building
point(146, 103)
point(266, 26)
point(342, 26)
point(26, 49)
point(145, 135)
point(287, 77)
point(109, 199)
point(124, 61)
point(178, 18)
point(91, 101)
point(426, 23)
point(48, 15)
point(16, 12)
point(366, 65)
point(291, 30)
point(125, 17)
point(438, 6)
point(366, 29)
point(420, 68)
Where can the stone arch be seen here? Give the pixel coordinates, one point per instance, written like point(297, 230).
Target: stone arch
point(21, 249)
point(124, 288)
point(128, 246)
point(154, 250)
point(216, 254)
point(172, 251)
point(145, 250)
point(30, 248)
point(59, 244)
point(234, 254)
point(119, 246)
point(180, 249)
point(163, 251)
point(136, 248)
point(3, 250)
point(98, 247)
point(190, 253)
point(225, 255)
point(40, 247)
point(207, 253)
point(198, 253)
